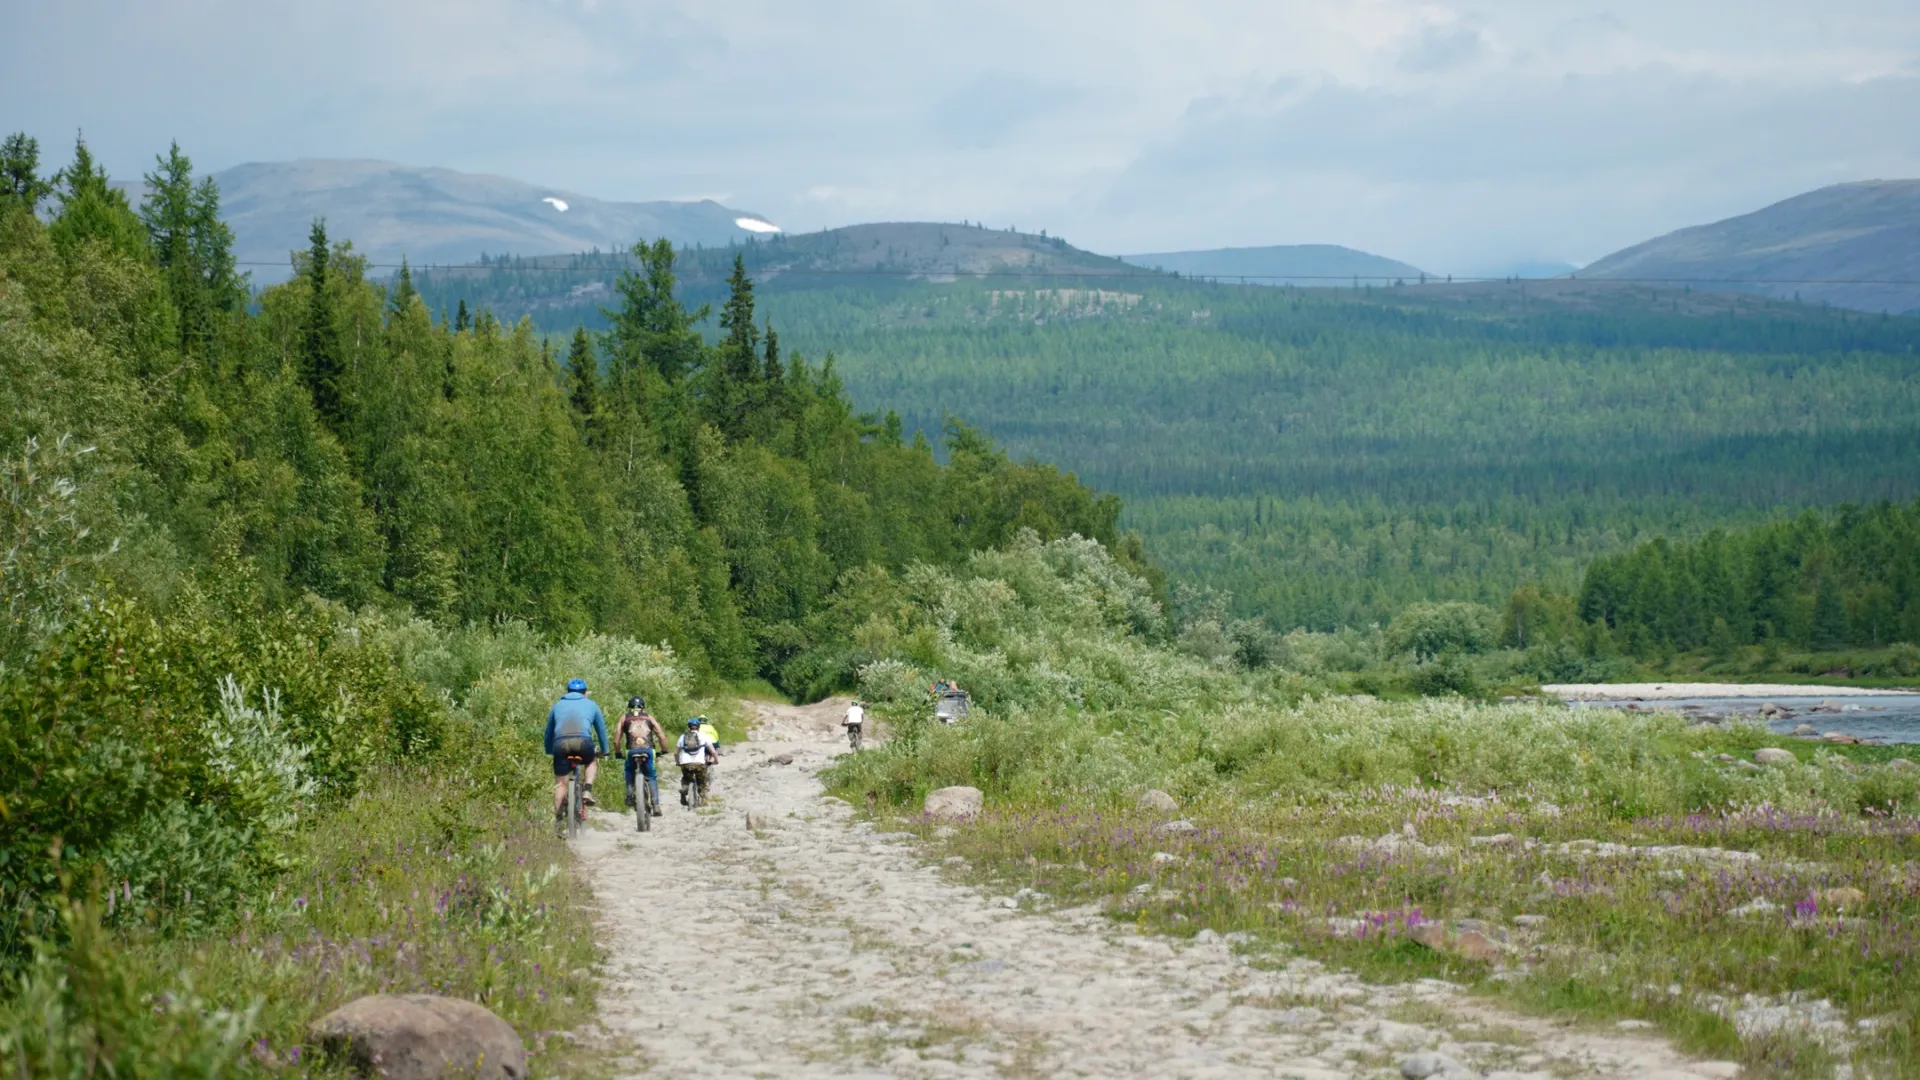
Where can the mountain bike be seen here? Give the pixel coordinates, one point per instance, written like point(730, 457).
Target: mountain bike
point(576, 784)
point(693, 787)
point(853, 735)
point(641, 796)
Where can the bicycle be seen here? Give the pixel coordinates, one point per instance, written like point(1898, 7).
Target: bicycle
point(693, 789)
point(576, 784)
point(853, 735)
point(641, 794)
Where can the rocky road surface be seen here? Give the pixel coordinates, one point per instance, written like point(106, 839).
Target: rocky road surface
point(825, 946)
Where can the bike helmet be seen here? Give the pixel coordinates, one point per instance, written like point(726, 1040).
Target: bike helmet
point(636, 702)
point(576, 686)
point(694, 721)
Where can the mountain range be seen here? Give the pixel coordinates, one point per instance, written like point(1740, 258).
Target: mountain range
point(431, 215)
point(1854, 245)
point(1287, 264)
point(1850, 245)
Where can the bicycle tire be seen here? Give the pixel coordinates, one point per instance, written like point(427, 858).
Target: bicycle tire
point(573, 804)
point(642, 802)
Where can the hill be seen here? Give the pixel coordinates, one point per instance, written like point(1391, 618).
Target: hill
point(1287, 264)
point(1850, 245)
point(930, 250)
point(432, 215)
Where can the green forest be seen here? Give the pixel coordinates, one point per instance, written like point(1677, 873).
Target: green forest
point(261, 551)
point(1327, 457)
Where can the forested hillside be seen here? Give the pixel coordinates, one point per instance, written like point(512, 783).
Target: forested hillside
point(236, 541)
point(1331, 455)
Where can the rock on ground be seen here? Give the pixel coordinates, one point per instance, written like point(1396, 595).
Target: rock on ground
point(1773, 755)
point(421, 1037)
point(836, 947)
point(953, 803)
point(1159, 802)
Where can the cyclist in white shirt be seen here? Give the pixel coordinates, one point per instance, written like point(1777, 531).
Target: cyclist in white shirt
point(693, 751)
point(856, 720)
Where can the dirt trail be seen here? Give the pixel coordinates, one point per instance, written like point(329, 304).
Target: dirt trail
point(824, 947)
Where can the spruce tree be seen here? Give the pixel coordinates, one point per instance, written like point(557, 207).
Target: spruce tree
point(320, 350)
point(1829, 630)
point(461, 320)
point(583, 376)
point(20, 171)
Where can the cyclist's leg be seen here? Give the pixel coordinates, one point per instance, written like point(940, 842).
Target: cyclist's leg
point(650, 768)
point(633, 763)
point(593, 767)
point(561, 768)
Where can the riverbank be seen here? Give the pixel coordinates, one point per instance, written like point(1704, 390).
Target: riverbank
point(1676, 691)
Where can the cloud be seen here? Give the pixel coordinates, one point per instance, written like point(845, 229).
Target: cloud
point(1444, 48)
point(1507, 129)
point(1583, 164)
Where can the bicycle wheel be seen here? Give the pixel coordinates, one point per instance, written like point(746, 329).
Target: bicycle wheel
point(642, 802)
point(573, 804)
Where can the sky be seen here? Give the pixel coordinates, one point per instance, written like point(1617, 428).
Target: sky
point(1460, 138)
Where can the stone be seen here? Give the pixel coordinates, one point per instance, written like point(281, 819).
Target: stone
point(1901, 764)
point(1427, 1063)
point(1496, 840)
point(1530, 921)
point(758, 822)
point(780, 759)
point(1773, 755)
point(1206, 937)
point(1180, 826)
point(1768, 708)
point(420, 1037)
point(1476, 946)
point(1431, 934)
point(1806, 731)
point(1839, 737)
point(1158, 801)
point(1163, 857)
point(954, 803)
point(1842, 897)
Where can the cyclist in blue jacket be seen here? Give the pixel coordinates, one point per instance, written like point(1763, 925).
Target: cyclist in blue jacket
point(575, 728)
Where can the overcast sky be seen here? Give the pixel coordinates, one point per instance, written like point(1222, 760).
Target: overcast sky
point(1457, 138)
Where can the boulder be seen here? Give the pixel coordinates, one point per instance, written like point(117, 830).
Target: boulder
point(1901, 764)
point(1768, 708)
point(780, 759)
point(953, 803)
point(1842, 898)
point(1427, 1063)
point(1773, 755)
point(758, 822)
point(420, 1037)
point(1476, 946)
point(1158, 801)
point(1806, 731)
point(1183, 825)
point(1839, 737)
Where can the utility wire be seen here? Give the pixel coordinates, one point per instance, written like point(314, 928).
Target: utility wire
point(1143, 275)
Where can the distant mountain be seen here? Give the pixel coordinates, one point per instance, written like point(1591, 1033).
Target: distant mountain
point(1287, 264)
point(1850, 245)
point(923, 249)
point(439, 215)
point(1524, 270)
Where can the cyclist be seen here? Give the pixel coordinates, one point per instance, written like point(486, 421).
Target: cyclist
point(856, 719)
point(638, 737)
point(694, 753)
point(575, 728)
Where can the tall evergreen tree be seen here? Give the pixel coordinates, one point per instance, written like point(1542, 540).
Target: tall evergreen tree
point(583, 379)
point(321, 360)
point(93, 209)
point(193, 246)
point(20, 180)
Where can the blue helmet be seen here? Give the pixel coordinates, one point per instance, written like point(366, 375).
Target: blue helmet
point(576, 686)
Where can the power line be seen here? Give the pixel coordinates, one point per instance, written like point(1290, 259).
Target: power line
point(1400, 280)
point(1148, 275)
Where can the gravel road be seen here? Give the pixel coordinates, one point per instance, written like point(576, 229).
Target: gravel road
point(825, 946)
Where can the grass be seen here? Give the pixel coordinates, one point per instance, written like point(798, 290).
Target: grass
point(417, 885)
point(1337, 828)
